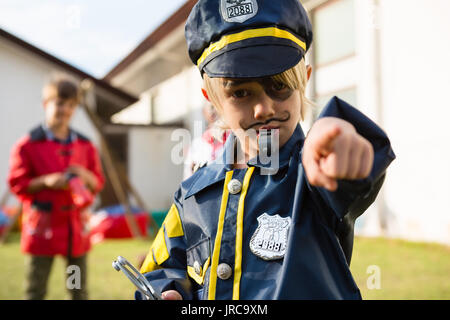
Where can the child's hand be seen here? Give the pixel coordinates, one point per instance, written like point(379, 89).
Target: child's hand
point(334, 150)
point(55, 181)
point(85, 175)
point(171, 295)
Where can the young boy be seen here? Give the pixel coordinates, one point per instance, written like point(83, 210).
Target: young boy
point(40, 166)
point(236, 233)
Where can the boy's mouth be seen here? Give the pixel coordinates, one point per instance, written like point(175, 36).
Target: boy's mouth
point(267, 128)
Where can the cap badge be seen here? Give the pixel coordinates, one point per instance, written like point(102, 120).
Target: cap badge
point(238, 10)
point(270, 238)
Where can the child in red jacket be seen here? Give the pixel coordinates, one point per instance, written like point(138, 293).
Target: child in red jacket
point(41, 165)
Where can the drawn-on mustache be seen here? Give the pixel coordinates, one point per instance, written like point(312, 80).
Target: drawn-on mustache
point(283, 119)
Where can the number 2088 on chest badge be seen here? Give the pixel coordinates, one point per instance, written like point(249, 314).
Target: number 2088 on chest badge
point(270, 238)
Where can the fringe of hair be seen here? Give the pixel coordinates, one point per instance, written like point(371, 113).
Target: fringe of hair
point(295, 78)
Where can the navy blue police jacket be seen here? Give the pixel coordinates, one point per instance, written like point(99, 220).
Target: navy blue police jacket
point(204, 251)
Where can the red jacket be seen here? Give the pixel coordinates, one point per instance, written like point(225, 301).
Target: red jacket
point(50, 221)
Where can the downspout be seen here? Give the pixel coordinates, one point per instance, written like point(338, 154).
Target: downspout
point(378, 95)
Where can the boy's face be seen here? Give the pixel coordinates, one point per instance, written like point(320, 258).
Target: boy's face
point(259, 104)
point(59, 112)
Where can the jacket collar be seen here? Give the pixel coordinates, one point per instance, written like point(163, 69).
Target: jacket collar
point(41, 133)
point(216, 171)
point(50, 135)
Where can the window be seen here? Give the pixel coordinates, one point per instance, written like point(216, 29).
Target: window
point(348, 95)
point(334, 31)
point(334, 51)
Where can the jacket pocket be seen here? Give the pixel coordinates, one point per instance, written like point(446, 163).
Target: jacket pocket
point(39, 222)
point(198, 260)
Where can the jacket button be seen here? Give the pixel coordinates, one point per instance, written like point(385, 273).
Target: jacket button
point(197, 268)
point(224, 271)
point(234, 186)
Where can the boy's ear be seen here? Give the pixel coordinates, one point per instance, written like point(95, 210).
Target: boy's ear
point(308, 71)
point(205, 94)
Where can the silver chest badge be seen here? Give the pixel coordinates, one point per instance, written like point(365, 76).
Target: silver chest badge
point(270, 238)
point(238, 10)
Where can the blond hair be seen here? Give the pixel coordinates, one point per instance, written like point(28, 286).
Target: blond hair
point(294, 78)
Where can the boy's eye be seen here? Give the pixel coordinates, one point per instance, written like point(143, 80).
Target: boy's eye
point(68, 103)
point(59, 103)
point(240, 93)
point(278, 86)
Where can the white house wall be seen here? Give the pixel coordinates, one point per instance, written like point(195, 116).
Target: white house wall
point(137, 113)
point(416, 80)
point(176, 97)
point(151, 169)
point(336, 77)
point(401, 58)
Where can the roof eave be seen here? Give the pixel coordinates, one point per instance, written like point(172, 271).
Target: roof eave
point(66, 66)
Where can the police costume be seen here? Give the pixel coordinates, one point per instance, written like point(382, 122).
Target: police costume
point(237, 233)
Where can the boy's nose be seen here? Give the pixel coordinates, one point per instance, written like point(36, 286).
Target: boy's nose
point(264, 109)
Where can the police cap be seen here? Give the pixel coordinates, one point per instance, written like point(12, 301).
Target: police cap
point(247, 38)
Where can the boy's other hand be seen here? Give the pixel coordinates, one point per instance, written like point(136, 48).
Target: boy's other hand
point(85, 175)
point(80, 171)
point(334, 150)
point(55, 181)
point(171, 295)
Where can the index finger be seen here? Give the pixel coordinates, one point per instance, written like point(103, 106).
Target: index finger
point(317, 178)
point(326, 139)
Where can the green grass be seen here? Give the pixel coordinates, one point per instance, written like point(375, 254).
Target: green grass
point(408, 270)
point(104, 283)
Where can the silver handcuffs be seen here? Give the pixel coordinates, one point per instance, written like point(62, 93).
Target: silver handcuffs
point(137, 278)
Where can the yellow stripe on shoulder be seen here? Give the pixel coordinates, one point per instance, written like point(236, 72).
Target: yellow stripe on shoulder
point(158, 251)
point(159, 247)
point(149, 264)
point(173, 224)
